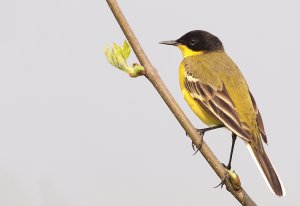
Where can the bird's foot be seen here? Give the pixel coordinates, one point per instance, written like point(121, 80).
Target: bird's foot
point(197, 147)
point(222, 183)
point(228, 167)
point(232, 178)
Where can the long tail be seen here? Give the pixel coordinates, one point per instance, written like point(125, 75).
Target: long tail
point(267, 170)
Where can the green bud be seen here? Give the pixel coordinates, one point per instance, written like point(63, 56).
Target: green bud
point(118, 56)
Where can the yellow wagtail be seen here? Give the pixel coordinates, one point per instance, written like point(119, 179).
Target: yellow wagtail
point(217, 92)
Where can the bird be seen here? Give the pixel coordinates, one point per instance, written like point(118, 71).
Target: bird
point(217, 92)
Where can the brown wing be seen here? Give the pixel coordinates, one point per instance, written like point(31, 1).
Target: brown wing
point(259, 120)
point(217, 102)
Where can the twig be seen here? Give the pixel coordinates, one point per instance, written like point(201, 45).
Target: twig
point(153, 76)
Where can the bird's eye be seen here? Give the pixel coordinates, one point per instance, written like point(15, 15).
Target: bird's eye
point(192, 42)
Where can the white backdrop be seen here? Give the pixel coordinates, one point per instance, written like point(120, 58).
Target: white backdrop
point(75, 131)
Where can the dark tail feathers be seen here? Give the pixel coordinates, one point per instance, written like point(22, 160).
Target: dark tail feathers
point(267, 169)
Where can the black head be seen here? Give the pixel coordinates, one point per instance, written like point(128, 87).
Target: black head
point(198, 40)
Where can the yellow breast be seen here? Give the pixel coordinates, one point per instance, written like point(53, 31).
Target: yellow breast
point(194, 105)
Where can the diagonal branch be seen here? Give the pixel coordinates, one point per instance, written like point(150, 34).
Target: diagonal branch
point(153, 76)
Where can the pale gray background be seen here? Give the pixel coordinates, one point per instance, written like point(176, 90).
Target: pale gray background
point(75, 131)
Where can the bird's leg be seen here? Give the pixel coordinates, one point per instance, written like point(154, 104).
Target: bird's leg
point(228, 167)
point(201, 133)
point(231, 151)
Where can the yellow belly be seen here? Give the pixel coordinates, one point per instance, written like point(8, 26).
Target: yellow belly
point(194, 105)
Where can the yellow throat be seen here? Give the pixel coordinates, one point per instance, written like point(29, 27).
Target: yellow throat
point(186, 52)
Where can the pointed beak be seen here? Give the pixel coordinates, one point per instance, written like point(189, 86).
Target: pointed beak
point(171, 42)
